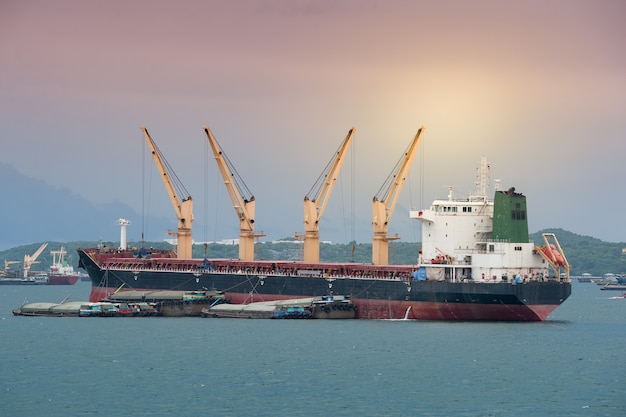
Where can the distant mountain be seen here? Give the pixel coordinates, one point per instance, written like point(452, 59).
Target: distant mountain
point(35, 211)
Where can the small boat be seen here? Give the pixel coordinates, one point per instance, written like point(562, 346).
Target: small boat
point(41, 278)
point(147, 309)
point(614, 286)
point(333, 307)
point(63, 309)
point(619, 296)
point(167, 303)
point(17, 281)
point(260, 310)
point(137, 309)
point(327, 307)
point(292, 312)
point(99, 309)
point(127, 310)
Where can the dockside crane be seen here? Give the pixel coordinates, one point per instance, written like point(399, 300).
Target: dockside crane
point(29, 260)
point(7, 265)
point(244, 205)
point(316, 200)
point(385, 201)
point(183, 208)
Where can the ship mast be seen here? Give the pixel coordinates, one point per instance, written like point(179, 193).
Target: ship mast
point(183, 209)
point(385, 201)
point(123, 223)
point(315, 201)
point(244, 206)
point(483, 179)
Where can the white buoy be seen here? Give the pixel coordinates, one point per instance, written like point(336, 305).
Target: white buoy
point(123, 223)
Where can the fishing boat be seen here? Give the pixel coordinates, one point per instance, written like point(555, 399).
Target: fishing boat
point(476, 263)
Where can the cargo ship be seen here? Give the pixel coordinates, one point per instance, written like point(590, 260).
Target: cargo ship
point(476, 263)
point(61, 273)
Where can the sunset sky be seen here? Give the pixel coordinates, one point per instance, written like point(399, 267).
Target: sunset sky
point(537, 87)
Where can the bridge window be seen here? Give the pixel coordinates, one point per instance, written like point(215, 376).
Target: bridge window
point(518, 213)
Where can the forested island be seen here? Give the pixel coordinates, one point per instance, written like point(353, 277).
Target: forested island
point(585, 254)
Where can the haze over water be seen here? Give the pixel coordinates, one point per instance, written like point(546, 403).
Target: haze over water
point(570, 365)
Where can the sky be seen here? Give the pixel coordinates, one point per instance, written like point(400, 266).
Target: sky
point(537, 87)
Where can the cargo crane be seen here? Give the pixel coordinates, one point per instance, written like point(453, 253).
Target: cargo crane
point(315, 202)
point(385, 201)
point(244, 205)
point(183, 209)
point(29, 260)
point(7, 265)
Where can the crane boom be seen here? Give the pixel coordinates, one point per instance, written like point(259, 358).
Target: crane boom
point(384, 205)
point(29, 260)
point(7, 264)
point(314, 206)
point(244, 207)
point(183, 209)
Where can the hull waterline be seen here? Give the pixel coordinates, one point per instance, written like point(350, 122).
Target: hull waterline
point(375, 298)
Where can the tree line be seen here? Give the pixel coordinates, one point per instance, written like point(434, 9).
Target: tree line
point(585, 254)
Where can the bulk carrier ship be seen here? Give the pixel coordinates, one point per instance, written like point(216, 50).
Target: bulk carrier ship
point(476, 263)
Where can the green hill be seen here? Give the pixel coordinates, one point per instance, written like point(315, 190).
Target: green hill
point(585, 254)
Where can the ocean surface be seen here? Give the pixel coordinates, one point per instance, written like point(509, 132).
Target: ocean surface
point(571, 365)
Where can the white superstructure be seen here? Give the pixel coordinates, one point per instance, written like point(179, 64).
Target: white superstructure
point(59, 266)
point(458, 240)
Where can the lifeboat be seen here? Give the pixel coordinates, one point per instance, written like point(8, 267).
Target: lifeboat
point(553, 254)
point(440, 259)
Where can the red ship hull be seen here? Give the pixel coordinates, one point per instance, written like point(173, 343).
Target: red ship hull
point(395, 309)
point(62, 279)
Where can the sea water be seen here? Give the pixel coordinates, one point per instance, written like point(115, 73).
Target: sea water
point(570, 365)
